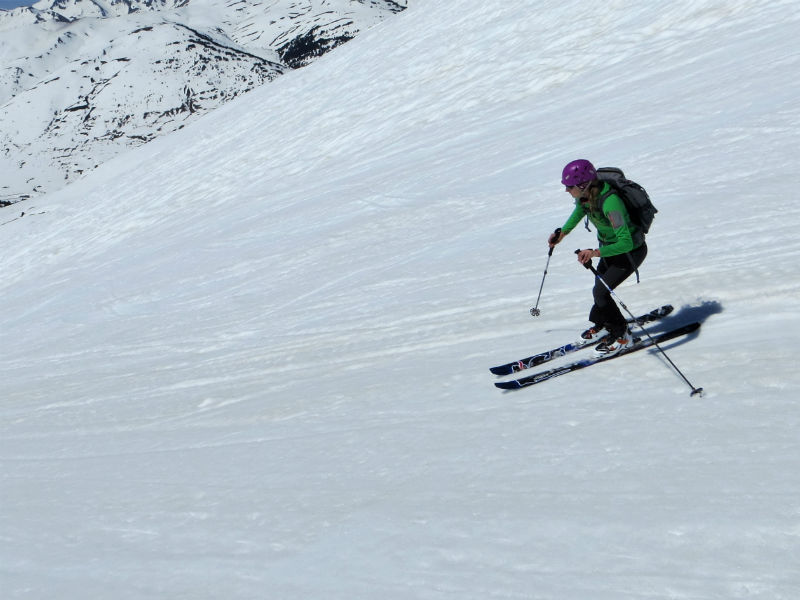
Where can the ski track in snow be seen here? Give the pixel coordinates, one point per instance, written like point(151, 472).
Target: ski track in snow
point(250, 360)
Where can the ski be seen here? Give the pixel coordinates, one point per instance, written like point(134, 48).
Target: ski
point(543, 357)
point(638, 344)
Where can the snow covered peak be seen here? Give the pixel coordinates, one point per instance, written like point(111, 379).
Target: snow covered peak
point(82, 80)
point(78, 9)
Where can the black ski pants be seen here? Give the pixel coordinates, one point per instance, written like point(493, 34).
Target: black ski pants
point(614, 270)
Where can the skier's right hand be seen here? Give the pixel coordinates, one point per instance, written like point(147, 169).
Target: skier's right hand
point(555, 237)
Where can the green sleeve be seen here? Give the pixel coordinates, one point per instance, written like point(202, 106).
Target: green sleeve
point(573, 220)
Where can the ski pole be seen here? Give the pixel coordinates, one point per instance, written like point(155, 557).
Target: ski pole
point(535, 312)
point(695, 390)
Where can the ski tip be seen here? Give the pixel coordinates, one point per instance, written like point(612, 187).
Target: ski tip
point(509, 369)
point(508, 385)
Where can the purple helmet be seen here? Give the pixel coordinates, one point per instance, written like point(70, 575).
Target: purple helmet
point(578, 172)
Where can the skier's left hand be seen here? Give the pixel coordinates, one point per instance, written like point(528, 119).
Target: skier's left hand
point(584, 256)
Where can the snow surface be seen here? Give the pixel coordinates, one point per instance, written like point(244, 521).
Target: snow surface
point(250, 359)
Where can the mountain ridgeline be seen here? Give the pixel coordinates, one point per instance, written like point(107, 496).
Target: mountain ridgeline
point(83, 80)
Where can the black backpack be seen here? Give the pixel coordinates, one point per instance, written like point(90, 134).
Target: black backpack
point(640, 208)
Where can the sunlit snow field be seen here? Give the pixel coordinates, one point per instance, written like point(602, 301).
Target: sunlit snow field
point(250, 360)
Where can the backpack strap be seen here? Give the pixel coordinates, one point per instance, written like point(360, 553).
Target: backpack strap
point(606, 195)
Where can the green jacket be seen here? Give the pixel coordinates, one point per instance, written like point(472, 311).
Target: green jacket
point(615, 231)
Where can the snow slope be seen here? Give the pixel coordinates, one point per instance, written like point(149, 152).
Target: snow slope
point(252, 361)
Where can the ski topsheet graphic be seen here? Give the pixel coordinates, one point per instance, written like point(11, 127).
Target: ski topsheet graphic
point(548, 355)
point(638, 344)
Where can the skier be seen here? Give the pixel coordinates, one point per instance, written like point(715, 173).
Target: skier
point(621, 251)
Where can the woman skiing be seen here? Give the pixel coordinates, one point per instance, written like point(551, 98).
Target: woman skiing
point(621, 251)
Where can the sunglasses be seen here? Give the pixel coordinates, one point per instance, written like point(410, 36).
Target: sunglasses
point(581, 187)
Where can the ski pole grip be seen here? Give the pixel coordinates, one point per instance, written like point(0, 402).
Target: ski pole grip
point(588, 263)
point(556, 233)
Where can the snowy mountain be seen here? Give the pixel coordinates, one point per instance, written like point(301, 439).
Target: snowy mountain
point(249, 360)
point(82, 80)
